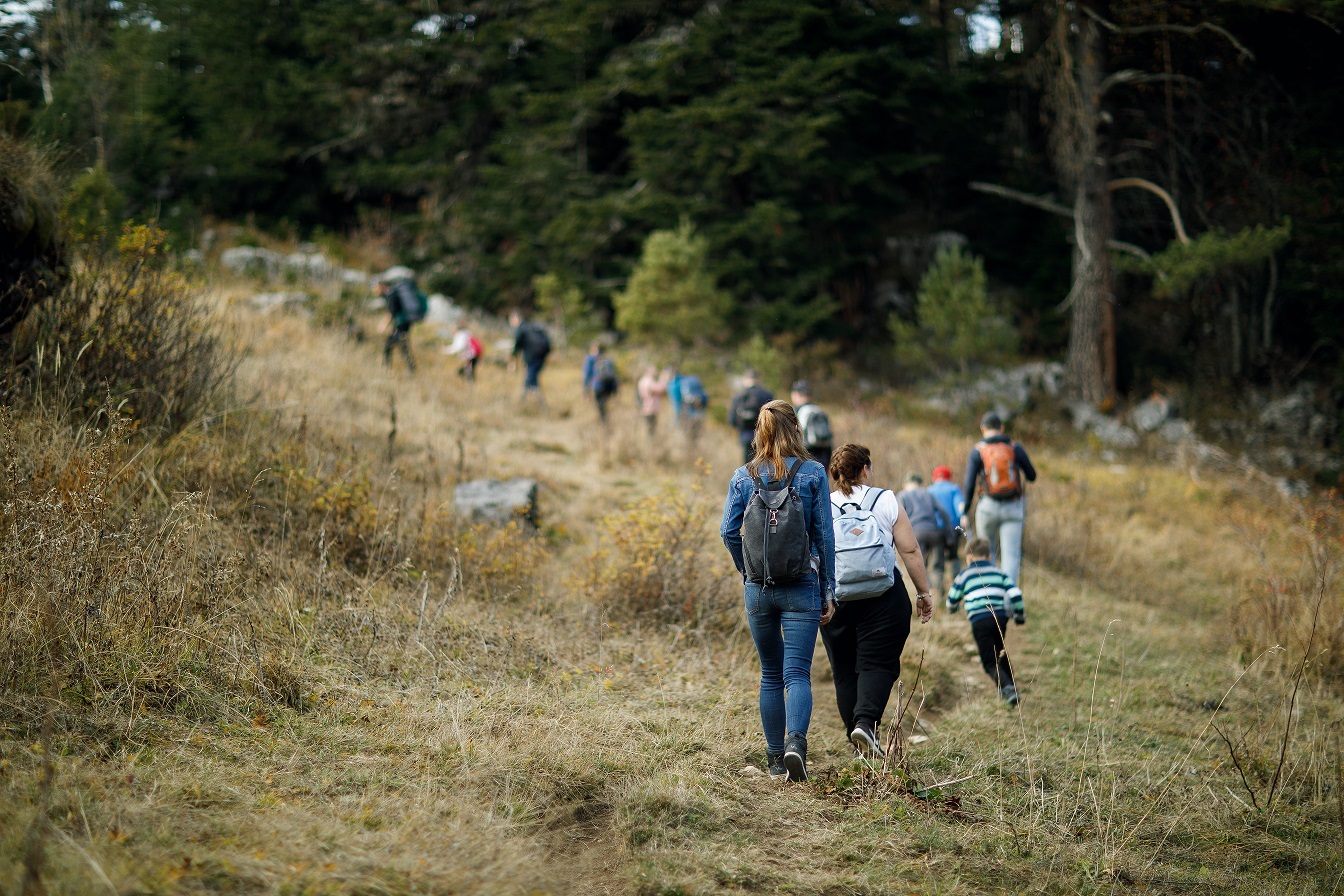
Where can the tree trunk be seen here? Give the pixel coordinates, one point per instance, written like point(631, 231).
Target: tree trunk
point(1090, 368)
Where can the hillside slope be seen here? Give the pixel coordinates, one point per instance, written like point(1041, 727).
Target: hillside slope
point(484, 712)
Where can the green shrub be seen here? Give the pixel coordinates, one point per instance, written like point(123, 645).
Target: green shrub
point(956, 322)
point(671, 295)
point(94, 208)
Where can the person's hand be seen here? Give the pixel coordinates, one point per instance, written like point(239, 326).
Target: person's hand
point(828, 610)
point(1020, 618)
point(965, 525)
point(924, 604)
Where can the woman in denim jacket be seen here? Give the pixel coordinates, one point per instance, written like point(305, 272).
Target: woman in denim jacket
point(784, 618)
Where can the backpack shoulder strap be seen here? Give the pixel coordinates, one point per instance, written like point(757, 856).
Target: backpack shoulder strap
point(788, 482)
point(876, 495)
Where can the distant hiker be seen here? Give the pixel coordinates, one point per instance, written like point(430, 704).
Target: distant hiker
point(599, 378)
point(467, 348)
point(931, 523)
point(865, 638)
point(948, 494)
point(999, 466)
point(989, 596)
point(652, 386)
point(777, 528)
point(744, 408)
point(816, 425)
point(406, 305)
point(530, 341)
point(689, 401)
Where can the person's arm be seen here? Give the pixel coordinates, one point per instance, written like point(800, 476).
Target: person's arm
point(1024, 462)
point(954, 595)
point(732, 412)
point(589, 366)
point(907, 546)
point(974, 467)
point(730, 530)
point(823, 537)
point(1015, 601)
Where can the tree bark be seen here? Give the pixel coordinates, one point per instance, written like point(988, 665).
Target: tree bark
point(1090, 368)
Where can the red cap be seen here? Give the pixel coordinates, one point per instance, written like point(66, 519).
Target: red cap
point(942, 473)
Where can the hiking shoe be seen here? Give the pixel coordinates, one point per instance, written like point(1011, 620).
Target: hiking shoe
point(775, 763)
point(795, 757)
point(864, 739)
point(1009, 693)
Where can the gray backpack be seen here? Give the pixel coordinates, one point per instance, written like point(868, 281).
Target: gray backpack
point(775, 545)
point(865, 559)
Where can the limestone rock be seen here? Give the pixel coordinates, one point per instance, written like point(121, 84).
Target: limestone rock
point(251, 260)
point(497, 501)
point(1151, 413)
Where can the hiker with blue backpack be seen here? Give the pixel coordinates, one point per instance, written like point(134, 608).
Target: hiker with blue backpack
point(777, 528)
point(689, 399)
point(406, 305)
point(867, 634)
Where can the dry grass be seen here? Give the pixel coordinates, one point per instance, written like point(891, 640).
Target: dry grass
point(436, 708)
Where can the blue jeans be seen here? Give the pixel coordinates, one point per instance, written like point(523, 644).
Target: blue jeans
point(533, 372)
point(1000, 523)
point(784, 621)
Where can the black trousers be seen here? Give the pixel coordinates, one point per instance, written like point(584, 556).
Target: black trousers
point(988, 633)
point(864, 642)
point(399, 337)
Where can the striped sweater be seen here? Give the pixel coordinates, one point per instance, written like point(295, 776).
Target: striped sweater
point(985, 589)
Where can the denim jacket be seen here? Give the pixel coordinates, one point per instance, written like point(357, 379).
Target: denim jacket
point(814, 492)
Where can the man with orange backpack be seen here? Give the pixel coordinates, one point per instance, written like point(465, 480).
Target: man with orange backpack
point(1000, 467)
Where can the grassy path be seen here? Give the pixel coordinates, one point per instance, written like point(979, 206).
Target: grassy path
point(480, 742)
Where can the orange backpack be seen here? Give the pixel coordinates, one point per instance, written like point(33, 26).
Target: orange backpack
point(1001, 476)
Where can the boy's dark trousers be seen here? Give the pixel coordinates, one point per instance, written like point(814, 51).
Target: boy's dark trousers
point(988, 632)
point(864, 643)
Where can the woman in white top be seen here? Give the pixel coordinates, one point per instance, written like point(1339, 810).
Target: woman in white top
point(865, 638)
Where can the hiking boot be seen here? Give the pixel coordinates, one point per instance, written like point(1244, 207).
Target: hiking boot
point(775, 763)
point(795, 757)
point(864, 739)
point(1009, 693)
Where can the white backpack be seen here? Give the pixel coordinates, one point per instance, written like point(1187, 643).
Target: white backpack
point(865, 559)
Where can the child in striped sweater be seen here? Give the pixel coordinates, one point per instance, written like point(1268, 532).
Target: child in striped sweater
point(990, 597)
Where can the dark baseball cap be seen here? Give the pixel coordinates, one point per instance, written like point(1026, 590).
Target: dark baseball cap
point(802, 388)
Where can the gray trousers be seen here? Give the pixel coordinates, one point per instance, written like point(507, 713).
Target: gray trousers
point(1000, 523)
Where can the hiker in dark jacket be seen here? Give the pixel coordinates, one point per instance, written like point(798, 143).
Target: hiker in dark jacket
point(1000, 468)
point(931, 523)
point(784, 617)
point(743, 410)
point(531, 342)
point(402, 300)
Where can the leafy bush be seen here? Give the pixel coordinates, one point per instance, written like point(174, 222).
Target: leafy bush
point(127, 329)
point(94, 207)
point(956, 322)
point(564, 306)
point(656, 560)
point(671, 294)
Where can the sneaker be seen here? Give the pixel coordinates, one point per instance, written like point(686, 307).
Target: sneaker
point(775, 762)
point(1009, 693)
point(864, 739)
point(795, 757)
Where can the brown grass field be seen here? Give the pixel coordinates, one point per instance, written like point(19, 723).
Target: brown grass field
point(339, 689)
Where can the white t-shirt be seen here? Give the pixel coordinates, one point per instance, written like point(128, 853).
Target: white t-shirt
point(887, 511)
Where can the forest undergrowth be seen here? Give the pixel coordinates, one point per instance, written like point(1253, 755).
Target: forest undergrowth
point(254, 651)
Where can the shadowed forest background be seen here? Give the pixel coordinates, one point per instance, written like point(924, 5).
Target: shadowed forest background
point(815, 145)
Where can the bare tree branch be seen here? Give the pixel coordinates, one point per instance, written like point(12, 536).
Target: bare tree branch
point(1172, 29)
point(1135, 76)
point(1142, 184)
point(1130, 249)
point(1045, 203)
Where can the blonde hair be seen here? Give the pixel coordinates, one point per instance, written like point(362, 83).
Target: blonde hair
point(847, 465)
point(778, 436)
